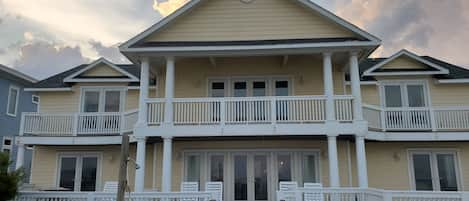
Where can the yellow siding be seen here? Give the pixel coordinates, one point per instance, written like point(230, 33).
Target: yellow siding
point(229, 20)
point(370, 94)
point(102, 70)
point(404, 62)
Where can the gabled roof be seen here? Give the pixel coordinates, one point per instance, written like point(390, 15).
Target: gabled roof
point(132, 43)
point(430, 68)
point(76, 76)
point(26, 78)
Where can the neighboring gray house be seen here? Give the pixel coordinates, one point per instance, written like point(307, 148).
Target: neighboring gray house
point(14, 101)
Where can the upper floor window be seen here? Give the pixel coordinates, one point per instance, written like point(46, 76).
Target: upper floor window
point(102, 100)
point(404, 95)
point(247, 87)
point(13, 98)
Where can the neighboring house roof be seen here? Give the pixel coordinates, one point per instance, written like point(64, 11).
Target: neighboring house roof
point(57, 81)
point(121, 76)
point(136, 41)
point(17, 74)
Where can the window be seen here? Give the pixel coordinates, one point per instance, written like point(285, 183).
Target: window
point(35, 99)
point(310, 168)
point(13, 96)
point(434, 170)
point(216, 167)
point(7, 144)
point(217, 89)
point(78, 172)
point(398, 95)
point(193, 168)
point(281, 88)
point(249, 86)
point(102, 100)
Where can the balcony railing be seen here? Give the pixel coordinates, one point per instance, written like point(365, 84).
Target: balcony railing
point(249, 110)
point(417, 119)
point(78, 124)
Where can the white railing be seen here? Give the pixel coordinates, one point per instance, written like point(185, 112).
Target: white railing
point(78, 124)
point(361, 194)
point(249, 110)
point(104, 196)
point(398, 119)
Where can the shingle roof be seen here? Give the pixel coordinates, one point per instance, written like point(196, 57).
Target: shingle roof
point(16, 75)
point(57, 81)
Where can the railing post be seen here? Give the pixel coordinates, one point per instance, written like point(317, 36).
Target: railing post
point(383, 119)
point(90, 197)
point(76, 123)
point(122, 123)
point(387, 196)
point(222, 112)
point(21, 132)
point(432, 119)
point(273, 110)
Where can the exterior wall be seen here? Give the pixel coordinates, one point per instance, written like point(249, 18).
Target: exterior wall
point(102, 70)
point(227, 20)
point(404, 62)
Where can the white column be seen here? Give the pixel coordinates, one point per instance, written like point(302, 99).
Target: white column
point(328, 86)
point(144, 82)
point(333, 161)
point(20, 155)
point(140, 171)
point(169, 90)
point(167, 160)
point(355, 86)
point(361, 162)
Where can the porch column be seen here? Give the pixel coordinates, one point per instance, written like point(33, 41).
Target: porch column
point(169, 90)
point(333, 161)
point(328, 86)
point(20, 156)
point(361, 162)
point(355, 86)
point(167, 160)
point(144, 82)
point(140, 166)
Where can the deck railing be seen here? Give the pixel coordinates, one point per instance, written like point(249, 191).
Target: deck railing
point(249, 110)
point(413, 119)
point(78, 124)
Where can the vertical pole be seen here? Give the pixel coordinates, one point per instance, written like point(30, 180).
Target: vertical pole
point(355, 86)
point(20, 155)
point(167, 160)
point(144, 82)
point(333, 161)
point(123, 167)
point(169, 90)
point(361, 162)
point(328, 86)
point(140, 171)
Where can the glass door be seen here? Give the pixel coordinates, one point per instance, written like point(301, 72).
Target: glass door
point(251, 177)
point(78, 172)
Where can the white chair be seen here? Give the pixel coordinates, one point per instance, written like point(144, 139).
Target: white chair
point(215, 187)
point(111, 186)
point(288, 191)
point(288, 186)
point(189, 186)
point(313, 192)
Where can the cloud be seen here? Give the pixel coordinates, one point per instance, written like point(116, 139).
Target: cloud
point(167, 7)
point(111, 53)
point(41, 59)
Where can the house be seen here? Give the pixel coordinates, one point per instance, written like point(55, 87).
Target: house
point(251, 94)
point(13, 102)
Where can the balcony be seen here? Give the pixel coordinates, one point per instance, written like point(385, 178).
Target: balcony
point(417, 119)
point(78, 124)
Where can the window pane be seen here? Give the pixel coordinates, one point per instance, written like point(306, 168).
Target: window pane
point(193, 168)
point(218, 89)
point(393, 96)
point(281, 88)
point(67, 173)
point(260, 178)
point(240, 89)
point(216, 168)
point(416, 96)
point(447, 172)
point(422, 172)
point(88, 174)
point(309, 169)
point(259, 89)
point(284, 168)
point(12, 101)
point(112, 101)
point(240, 176)
point(91, 101)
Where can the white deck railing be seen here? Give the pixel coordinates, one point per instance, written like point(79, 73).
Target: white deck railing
point(249, 110)
point(401, 119)
point(78, 124)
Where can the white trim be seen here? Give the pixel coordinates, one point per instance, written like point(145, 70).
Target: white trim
point(18, 74)
point(418, 136)
point(48, 89)
point(440, 69)
point(38, 102)
point(364, 83)
point(454, 81)
point(138, 87)
point(71, 78)
point(18, 91)
point(91, 140)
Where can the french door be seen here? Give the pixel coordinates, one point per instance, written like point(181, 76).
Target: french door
point(78, 172)
point(251, 177)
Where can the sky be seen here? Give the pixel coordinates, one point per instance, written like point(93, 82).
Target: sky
point(45, 37)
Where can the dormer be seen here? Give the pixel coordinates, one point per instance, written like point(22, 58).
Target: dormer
point(101, 70)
